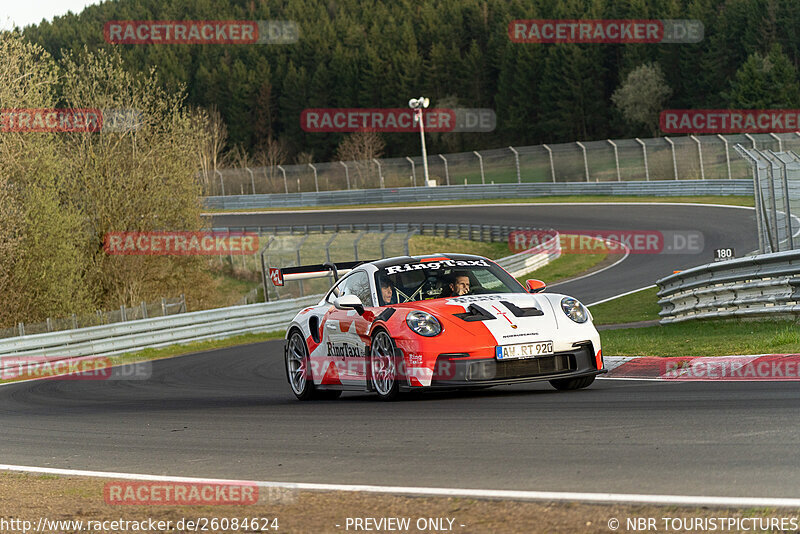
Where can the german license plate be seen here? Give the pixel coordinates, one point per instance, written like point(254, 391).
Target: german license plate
point(524, 350)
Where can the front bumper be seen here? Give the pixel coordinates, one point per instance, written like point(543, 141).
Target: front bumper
point(452, 371)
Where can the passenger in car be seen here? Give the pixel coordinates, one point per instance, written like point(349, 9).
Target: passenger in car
point(387, 292)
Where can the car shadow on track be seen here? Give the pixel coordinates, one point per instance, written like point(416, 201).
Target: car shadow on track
point(464, 394)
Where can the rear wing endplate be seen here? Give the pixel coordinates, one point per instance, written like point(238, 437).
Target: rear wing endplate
point(304, 272)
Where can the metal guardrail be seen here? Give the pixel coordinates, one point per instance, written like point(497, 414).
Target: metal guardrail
point(118, 338)
point(765, 284)
point(125, 313)
point(530, 260)
point(478, 192)
point(472, 232)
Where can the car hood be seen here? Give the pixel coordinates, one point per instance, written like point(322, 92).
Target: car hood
point(510, 317)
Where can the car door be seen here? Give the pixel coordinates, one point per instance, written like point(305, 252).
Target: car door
point(344, 329)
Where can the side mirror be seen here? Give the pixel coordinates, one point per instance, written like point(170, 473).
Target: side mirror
point(349, 302)
point(534, 286)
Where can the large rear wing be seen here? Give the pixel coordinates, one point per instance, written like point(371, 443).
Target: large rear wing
point(304, 272)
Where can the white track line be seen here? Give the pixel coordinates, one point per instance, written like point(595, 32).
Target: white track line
point(688, 500)
point(455, 206)
point(631, 292)
point(607, 267)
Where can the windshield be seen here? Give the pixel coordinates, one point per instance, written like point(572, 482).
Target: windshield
point(425, 280)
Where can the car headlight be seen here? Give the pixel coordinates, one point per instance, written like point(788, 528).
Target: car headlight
point(423, 323)
point(574, 310)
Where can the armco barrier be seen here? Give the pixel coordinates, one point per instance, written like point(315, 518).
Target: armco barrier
point(119, 338)
point(478, 192)
point(473, 232)
point(762, 285)
point(534, 258)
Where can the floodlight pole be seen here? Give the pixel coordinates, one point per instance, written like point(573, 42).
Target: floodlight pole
point(424, 149)
point(418, 104)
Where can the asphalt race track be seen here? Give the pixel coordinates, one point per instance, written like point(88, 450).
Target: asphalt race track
point(229, 413)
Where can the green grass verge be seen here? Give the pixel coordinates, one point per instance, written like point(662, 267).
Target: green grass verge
point(639, 306)
point(187, 348)
point(422, 244)
point(704, 338)
point(564, 267)
point(727, 200)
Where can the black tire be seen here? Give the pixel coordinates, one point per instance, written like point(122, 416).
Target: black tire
point(297, 368)
point(303, 389)
point(566, 384)
point(383, 366)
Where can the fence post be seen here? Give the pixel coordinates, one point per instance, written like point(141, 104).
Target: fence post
point(757, 196)
point(771, 177)
point(285, 183)
point(346, 173)
point(74, 321)
point(221, 182)
point(780, 142)
point(380, 172)
point(49, 325)
point(786, 204)
point(328, 247)
point(516, 160)
point(163, 306)
point(316, 182)
point(144, 310)
point(674, 160)
point(752, 140)
point(183, 304)
point(644, 152)
point(252, 179)
point(552, 167)
point(616, 158)
point(21, 328)
point(585, 160)
point(727, 154)
point(355, 245)
point(413, 170)
point(700, 155)
point(123, 315)
point(446, 170)
point(383, 241)
point(480, 160)
point(299, 263)
point(409, 235)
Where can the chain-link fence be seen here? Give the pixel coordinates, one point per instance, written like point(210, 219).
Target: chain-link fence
point(159, 308)
point(703, 157)
point(776, 177)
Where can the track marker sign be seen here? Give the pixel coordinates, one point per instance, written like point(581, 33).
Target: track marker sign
point(722, 254)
